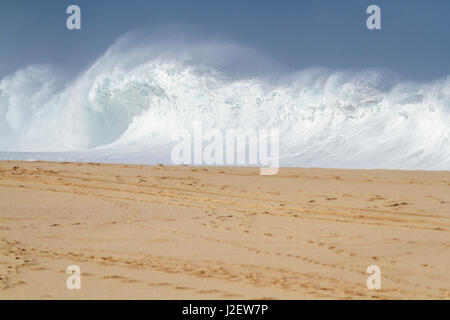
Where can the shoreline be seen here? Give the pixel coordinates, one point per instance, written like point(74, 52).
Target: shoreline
point(217, 166)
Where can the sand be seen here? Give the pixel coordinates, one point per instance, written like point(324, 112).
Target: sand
point(179, 232)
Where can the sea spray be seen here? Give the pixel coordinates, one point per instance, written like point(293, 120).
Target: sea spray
point(126, 106)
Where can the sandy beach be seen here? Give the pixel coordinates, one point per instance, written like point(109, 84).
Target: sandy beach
point(179, 232)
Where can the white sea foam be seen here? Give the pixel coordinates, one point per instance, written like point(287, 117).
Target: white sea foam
point(125, 107)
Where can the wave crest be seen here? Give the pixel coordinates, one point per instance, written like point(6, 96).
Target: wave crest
point(132, 99)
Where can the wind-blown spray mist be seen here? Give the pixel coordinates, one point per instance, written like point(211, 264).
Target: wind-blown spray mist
point(125, 107)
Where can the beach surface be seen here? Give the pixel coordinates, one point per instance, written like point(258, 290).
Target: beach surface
point(180, 232)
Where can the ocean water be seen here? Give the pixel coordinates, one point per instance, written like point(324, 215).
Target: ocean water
point(125, 106)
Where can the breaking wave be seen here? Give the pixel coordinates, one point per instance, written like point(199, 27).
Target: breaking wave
point(125, 107)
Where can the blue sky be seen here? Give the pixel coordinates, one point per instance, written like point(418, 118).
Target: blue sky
point(413, 42)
